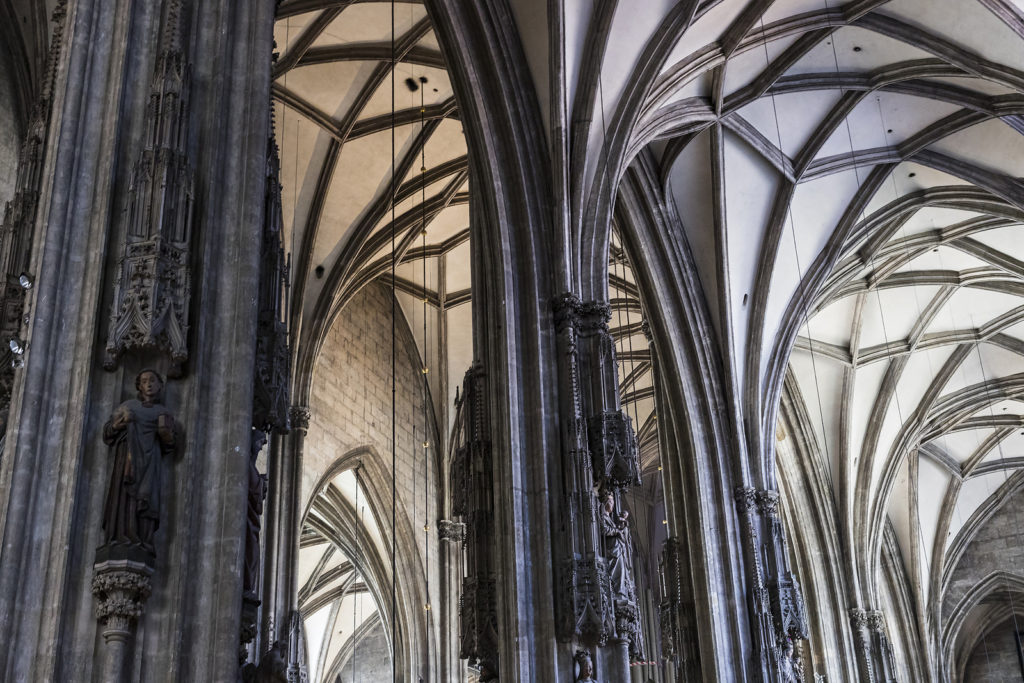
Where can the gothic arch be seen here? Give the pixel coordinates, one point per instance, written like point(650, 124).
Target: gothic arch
point(415, 650)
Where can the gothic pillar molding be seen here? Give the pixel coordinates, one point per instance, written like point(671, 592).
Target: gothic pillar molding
point(42, 459)
point(451, 534)
point(871, 643)
point(283, 520)
point(513, 246)
point(862, 643)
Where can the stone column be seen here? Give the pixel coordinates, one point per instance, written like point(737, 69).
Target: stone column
point(874, 651)
point(121, 588)
point(55, 468)
point(283, 512)
point(451, 534)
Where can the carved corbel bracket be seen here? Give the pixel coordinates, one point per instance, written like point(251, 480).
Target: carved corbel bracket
point(121, 588)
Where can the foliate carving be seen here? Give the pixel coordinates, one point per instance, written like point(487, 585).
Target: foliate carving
point(875, 621)
point(858, 618)
point(273, 358)
point(613, 448)
point(299, 418)
point(566, 311)
point(645, 327)
point(594, 317)
point(121, 589)
point(153, 289)
point(767, 503)
point(19, 217)
point(451, 531)
point(746, 498)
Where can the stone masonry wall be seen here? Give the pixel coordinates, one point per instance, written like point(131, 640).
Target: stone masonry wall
point(995, 659)
point(997, 546)
point(350, 406)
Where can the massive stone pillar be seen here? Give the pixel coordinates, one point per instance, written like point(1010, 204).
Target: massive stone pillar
point(597, 604)
point(189, 310)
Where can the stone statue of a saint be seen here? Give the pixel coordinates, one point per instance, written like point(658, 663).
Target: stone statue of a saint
point(584, 667)
point(257, 492)
point(616, 548)
point(789, 669)
point(140, 433)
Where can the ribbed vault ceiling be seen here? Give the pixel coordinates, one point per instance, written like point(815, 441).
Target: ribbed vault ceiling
point(881, 141)
point(344, 124)
point(339, 545)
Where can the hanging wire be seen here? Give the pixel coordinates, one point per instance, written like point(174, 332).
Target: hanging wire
point(394, 368)
point(877, 290)
point(426, 347)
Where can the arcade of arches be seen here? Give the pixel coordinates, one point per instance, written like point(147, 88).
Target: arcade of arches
point(512, 340)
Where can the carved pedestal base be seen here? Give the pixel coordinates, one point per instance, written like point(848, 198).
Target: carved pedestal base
point(121, 587)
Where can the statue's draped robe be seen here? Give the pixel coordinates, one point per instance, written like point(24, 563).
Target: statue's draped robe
point(136, 478)
point(257, 492)
point(617, 556)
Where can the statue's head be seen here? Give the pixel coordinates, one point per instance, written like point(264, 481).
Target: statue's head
point(607, 499)
point(150, 384)
point(257, 441)
point(584, 665)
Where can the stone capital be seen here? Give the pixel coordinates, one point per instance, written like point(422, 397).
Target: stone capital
point(299, 416)
point(451, 531)
point(121, 588)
